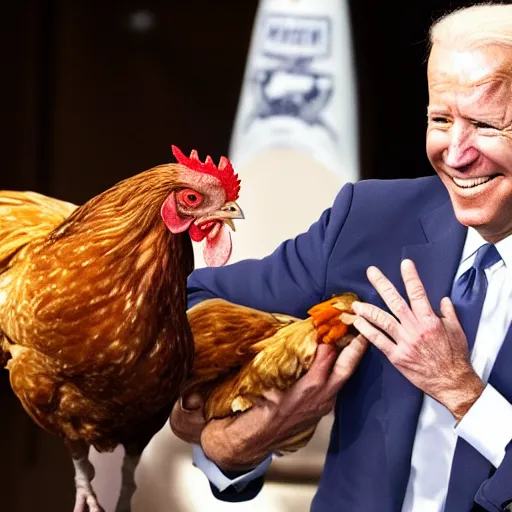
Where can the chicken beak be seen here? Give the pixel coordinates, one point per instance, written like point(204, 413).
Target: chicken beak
point(228, 212)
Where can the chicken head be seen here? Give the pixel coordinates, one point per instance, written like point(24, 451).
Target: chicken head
point(204, 204)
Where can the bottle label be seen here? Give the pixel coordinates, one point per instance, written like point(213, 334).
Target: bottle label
point(298, 87)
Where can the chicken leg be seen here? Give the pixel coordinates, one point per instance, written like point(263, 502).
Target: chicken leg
point(86, 500)
point(131, 460)
point(132, 455)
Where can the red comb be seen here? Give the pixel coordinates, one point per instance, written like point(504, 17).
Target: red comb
point(224, 172)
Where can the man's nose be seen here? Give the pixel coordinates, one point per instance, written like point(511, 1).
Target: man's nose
point(461, 151)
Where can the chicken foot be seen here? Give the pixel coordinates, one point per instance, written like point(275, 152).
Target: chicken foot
point(86, 500)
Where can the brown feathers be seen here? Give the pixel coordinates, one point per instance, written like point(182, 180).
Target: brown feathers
point(242, 352)
point(94, 308)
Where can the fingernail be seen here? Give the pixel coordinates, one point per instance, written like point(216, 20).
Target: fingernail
point(356, 305)
point(191, 402)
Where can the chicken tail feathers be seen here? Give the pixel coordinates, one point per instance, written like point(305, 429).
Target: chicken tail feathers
point(26, 216)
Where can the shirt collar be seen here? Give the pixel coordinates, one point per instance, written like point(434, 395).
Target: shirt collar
point(474, 241)
point(505, 249)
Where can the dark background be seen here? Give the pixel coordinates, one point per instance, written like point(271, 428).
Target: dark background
point(87, 100)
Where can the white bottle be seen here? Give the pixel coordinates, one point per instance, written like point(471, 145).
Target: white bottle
point(299, 86)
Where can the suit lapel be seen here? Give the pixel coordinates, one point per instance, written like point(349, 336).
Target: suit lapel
point(437, 261)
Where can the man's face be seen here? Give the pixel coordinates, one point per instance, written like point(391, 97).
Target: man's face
point(469, 134)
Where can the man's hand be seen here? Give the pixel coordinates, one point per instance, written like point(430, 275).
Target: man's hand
point(241, 442)
point(431, 352)
point(187, 418)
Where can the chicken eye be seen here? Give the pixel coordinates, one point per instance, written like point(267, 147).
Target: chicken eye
point(190, 198)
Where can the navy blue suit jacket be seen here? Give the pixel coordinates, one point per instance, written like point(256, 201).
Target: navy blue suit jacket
point(371, 223)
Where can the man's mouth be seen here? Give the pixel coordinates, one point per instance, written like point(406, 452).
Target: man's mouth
point(473, 182)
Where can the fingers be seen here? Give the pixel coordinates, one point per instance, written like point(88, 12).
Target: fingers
point(322, 364)
point(192, 402)
point(346, 363)
point(316, 376)
point(420, 305)
point(448, 310)
point(418, 299)
point(238, 443)
point(450, 321)
point(326, 374)
point(394, 301)
point(379, 318)
point(375, 336)
point(269, 395)
point(187, 418)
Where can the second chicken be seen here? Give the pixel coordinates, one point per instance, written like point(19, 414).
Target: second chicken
point(241, 352)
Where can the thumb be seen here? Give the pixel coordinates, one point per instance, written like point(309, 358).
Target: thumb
point(450, 321)
point(322, 364)
point(187, 418)
point(347, 362)
point(449, 316)
point(191, 402)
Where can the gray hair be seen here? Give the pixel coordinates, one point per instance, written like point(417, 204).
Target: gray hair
point(475, 26)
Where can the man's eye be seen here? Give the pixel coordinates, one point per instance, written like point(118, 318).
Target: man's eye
point(439, 119)
point(480, 124)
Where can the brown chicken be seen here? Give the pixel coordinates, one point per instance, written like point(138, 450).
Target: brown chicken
point(242, 352)
point(93, 321)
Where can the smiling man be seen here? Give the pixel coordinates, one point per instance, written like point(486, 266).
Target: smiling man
point(469, 136)
point(424, 416)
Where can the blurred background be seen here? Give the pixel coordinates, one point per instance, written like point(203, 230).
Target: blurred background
point(94, 91)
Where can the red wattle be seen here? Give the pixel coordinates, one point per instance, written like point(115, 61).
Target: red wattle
point(217, 251)
point(196, 234)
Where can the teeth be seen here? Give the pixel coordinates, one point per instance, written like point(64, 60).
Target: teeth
point(471, 182)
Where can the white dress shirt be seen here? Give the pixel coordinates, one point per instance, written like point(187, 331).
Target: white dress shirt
point(488, 424)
